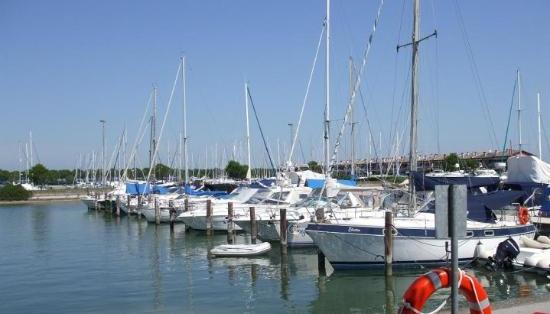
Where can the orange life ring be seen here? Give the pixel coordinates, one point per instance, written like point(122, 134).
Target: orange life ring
point(523, 215)
point(424, 286)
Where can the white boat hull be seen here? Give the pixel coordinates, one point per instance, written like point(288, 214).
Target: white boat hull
point(219, 222)
point(349, 247)
point(240, 250)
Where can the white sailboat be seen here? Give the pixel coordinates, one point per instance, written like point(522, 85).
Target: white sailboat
point(359, 242)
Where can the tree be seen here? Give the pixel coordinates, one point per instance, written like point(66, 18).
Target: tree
point(14, 193)
point(314, 166)
point(235, 170)
point(39, 174)
point(451, 161)
point(162, 171)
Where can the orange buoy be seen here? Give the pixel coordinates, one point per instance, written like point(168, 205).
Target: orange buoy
point(424, 286)
point(523, 215)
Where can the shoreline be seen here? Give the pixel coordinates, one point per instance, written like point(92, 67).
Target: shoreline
point(41, 200)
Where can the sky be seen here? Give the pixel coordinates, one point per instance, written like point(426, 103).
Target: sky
point(65, 65)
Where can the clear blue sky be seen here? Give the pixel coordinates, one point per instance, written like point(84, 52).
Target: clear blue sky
point(64, 65)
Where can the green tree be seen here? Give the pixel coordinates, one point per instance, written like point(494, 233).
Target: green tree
point(450, 162)
point(314, 166)
point(235, 170)
point(162, 171)
point(470, 164)
point(11, 192)
point(39, 174)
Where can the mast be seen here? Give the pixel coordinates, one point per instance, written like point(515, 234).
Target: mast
point(30, 148)
point(538, 120)
point(249, 171)
point(184, 83)
point(327, 95)
point(414, 104)
point(153, 130)
point(352, 172)
point(102, 151)
point(519, 112)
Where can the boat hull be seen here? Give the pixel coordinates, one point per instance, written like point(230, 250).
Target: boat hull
point(358, 247)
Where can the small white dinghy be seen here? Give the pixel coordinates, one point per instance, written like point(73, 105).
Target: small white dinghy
point(238, 250)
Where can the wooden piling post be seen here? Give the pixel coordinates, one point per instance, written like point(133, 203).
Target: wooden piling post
point(230, 224)
point(117, 205)
point(388, 243)
point(172, 218)
point(96, 203)
point(284, 229)
point(157, 212)
point(253, 225)
point(208, 217)
point(128, 199)
point(186, 204)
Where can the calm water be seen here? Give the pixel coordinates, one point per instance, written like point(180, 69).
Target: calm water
point(61, 258)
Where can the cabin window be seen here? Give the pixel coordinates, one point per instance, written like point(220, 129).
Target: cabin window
point(489, 233)
point(469, 234)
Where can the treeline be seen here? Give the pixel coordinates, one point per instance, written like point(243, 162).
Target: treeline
point(40, 175)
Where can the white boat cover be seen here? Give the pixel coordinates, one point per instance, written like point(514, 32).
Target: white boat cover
point(528, 169)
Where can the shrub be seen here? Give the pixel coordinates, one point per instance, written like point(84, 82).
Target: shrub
point(14, 193)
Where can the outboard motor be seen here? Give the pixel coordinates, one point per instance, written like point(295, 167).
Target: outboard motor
point(507, 251)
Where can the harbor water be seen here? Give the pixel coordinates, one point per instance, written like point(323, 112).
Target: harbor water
point(61, 258)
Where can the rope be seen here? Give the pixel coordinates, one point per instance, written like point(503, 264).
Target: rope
point(260, 127)
point(138, 138)
point(162, 127)
point(356, 86)
point(306, 97)
point(509, 115)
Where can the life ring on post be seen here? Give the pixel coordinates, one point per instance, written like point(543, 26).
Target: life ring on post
point(424, 286)
point(523, 215)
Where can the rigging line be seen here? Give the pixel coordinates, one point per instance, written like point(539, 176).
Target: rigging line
point(475, 71)
point(356, 86)
point(436, 111)
point(510, 114)
point(136, 141)
point(306, 95)
point(162, 127)
point(260, 127)
point(396, 61)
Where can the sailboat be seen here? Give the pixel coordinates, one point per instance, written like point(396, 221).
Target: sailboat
point(359, 242)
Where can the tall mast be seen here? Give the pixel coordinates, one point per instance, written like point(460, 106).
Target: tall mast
point(103, 152)
point(351, 83)
point(519, 112)
point(249, 172)
point(538, 120)
point(184, 83)
point(153, 131)
point(30, 147)
point(327, 94)
point(414, 104)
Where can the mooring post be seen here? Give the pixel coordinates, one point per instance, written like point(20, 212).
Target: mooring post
point(208, 217)
point(117, 205)
point(128, 199)
point(457, 229)
point(186, 204)
point(230, 224)
point(96, 203)
point(172, 218)
point(320, 217)
point(138, 208)
point(284, 228)
point(388, 242)
point(253, 225)
point(107, 205)
point(157, 212)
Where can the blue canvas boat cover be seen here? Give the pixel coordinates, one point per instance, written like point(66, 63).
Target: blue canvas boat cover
point(319, 183)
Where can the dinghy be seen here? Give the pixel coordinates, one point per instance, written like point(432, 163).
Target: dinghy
point(531, 256)
point(237, 250)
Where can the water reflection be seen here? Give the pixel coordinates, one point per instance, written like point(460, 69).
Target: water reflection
point(133, 266)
